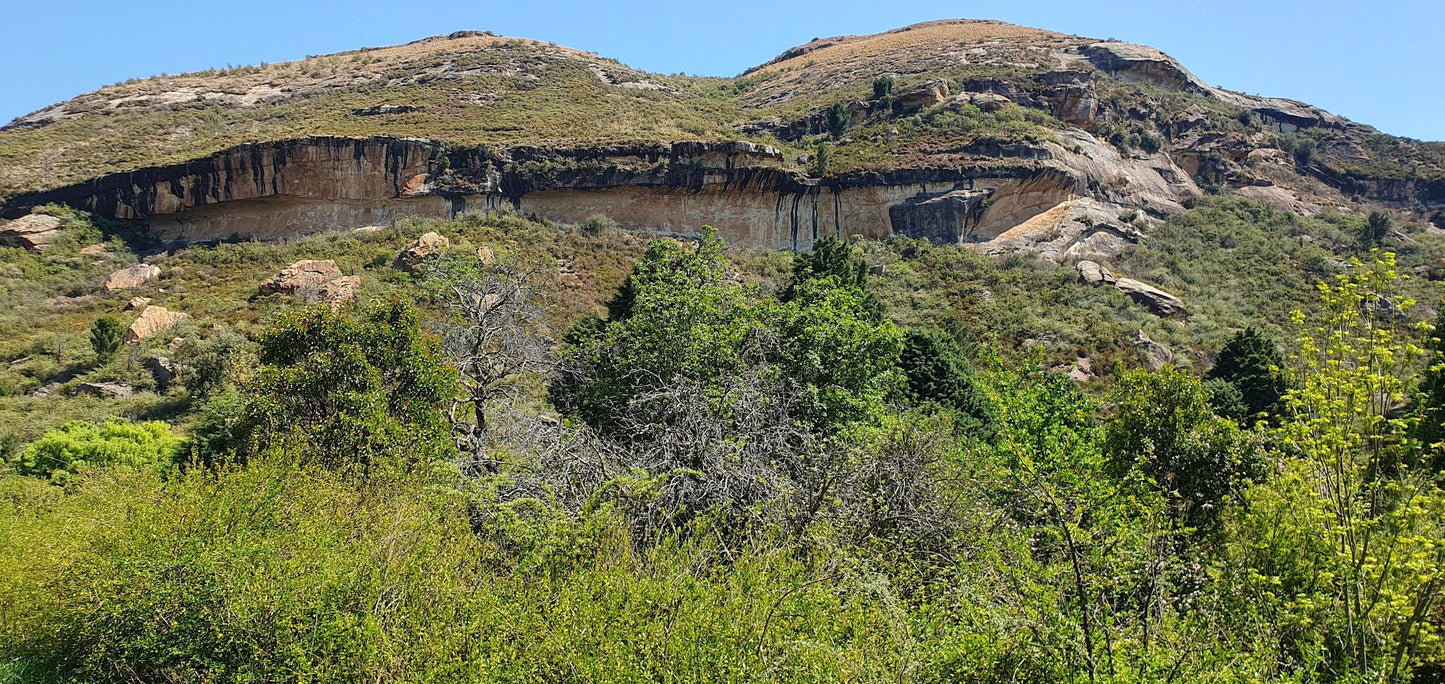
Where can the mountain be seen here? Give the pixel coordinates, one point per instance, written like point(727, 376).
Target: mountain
point(980, 132)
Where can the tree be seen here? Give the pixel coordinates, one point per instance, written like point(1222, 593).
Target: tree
point(1377, 227)
point(832, 258)
point(1340, 556)
point(882, 86)
point(1252, 363)
point(1163, 425)
point(344, 388)
point(1430, 401)
point(106, 337)
point(821, 155)
point(494, 334)
point(936, 371)
point(836, 120)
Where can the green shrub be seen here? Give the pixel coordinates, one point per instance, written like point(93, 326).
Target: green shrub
point(598, 224)
point(62, 452)
point(836, 120)
point(106, 337)
point(882, 86)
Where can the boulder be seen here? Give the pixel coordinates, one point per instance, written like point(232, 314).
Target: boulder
point(1159, 302)
point(162, 369)
point(129, 278)
point(1155, 355)
point(35, 232)
point(152, 321)
point(105, 390)
point(1091, 273)
point(302, 276)
point(137, 303)
point(486, 256)
point(93, 250)
point(921, 97)
point(342, 289)
point(417, 252)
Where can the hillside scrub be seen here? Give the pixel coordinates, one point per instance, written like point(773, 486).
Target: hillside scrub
point(746, 483)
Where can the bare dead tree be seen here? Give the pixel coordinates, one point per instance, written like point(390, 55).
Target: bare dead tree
point(494, 332)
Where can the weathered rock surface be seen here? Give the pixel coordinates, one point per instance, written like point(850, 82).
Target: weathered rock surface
point(132, 277)
point(1155, 355)
point(105, 390)
point(302, 277)
point(343, 289)
point(154, 320)
point(35, 232)
point(137, 303)
point(1159, 302)
point(411, 258)
point(1093, 274)
point(162, 369)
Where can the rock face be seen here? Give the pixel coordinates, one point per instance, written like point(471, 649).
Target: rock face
point(105, 390)
point(343, 289)
point(153, 320)
point(34, 232)
point(417, 252)
point(162, 369)
point(1159, 302)
point(137, 303)
point(1155, 355)
point(133, 277)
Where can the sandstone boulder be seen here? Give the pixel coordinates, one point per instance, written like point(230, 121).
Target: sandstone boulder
point(93, 250)
point(342, 289)
point(105, 390)
point(1092, 274)
point(132, 277)
point(417, 252)
point(1159, 302)
point(921, 97)
point(35, 232)
point(302, 276)
point(153, 320)
point(137, 303)
point(1155, 355)
point(486, 256)
point(162, 369)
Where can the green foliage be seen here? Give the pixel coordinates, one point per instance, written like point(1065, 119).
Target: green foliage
point(76, 446)
point(1376, 228)
point(677, 319)
point(106, 337)
point(822, 158)
point(936, 371)
point(1163, 426)
point(1253, 367)
point(347, 388)
point(836, 120)
point(882, 87)
point(598, 224)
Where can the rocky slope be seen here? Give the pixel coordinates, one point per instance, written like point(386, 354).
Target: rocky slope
point(1001, 136)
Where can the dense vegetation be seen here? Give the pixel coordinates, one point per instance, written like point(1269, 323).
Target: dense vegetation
point(571, 454)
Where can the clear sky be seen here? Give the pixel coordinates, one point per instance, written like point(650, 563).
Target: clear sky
point(1379, 63)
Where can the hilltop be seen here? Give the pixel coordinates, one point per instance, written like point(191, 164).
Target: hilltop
point(960, 131)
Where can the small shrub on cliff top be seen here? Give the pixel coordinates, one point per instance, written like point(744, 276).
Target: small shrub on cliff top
point(598, 224)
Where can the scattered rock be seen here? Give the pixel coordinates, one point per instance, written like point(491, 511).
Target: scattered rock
point(302, 276)
point(1093, 274)
point(1159, 302)
point(152, 321)
point(93, 250)
point(137, 303)
point(921, 97)
point(129, 278)
point(35, 232)
point(162, 369)
point(175, 344)
point(342, 289)
point(1155, 355)
point(368, 230)
point(877, 269)
point(417, 252)
point(378, 110)
point(105, 390)
point(1083, 370)
point(486, 256)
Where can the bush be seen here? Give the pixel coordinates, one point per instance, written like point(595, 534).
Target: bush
point(836, 120)
point(598, 224)
point(937, 372)
point(106, 337)
point(61, 453)
point(882, 87)
point(1253, 364)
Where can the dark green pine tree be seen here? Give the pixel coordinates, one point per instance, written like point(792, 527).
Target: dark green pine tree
point(1253, 364)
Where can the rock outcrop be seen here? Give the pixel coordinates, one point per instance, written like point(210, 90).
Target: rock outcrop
point(35, 232)
point(1155, 355)
point(130, 278)
point(411, 258)
point(314, 280)
point(105, 390)
point(1159, 302)
point(154, 320)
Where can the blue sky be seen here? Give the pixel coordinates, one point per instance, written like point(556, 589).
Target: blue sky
point(1375, 63)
